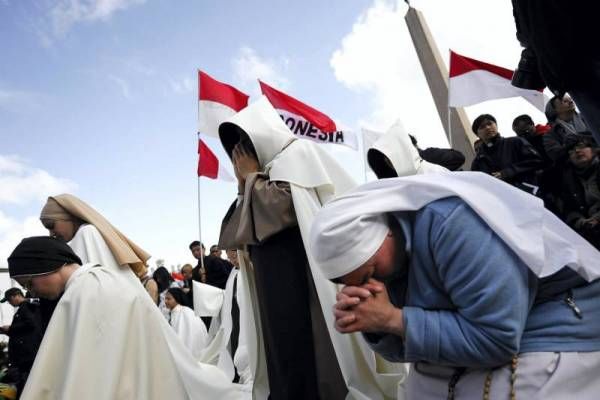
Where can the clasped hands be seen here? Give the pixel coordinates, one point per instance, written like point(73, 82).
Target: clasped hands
point(367, 308)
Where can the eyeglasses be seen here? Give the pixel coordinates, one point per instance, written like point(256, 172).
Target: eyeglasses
point(580, 146)
point(26, 281)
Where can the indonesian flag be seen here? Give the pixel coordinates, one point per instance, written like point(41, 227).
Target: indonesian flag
point(307, 122)
point(217, 102)
point(209, 165)
point(473, 81)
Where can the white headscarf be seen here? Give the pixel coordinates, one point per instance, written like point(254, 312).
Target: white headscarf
point(396, 145)
point(348, 230)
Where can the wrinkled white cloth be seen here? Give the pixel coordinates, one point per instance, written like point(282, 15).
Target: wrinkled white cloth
point(208, 299)
point(107, 341)
point(189, 328)
point(349, 229)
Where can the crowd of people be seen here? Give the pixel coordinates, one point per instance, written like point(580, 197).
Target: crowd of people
point(556, 161)
point(470, 277)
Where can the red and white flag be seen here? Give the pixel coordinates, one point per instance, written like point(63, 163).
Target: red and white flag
point(217, 101)
point(307, 122)
point(473, 81)
point(209, 164)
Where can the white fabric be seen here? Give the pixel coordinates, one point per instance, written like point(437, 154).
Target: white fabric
point(107, 341)
point(369, 138)
point(221, 329)
point(536, 235)
point(91, 247)
point(398, 148)
point(314, 178)
point(480, 85)
point(540, 376)
point(190, 329)
point(207, 299)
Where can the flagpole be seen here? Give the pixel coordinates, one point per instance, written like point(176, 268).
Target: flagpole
point(449, 113)
point(364, 156)
point(199, 191)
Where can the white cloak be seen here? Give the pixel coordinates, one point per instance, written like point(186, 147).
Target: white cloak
point(107, 341)
point(190, 329)
point(315, 178)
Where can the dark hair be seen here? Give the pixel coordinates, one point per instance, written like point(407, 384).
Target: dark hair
point(214, 246)
point(522, 118)
point(196, 243)
point(479, 120)
point(14, 291)
point(179, 296)
point(163, 278)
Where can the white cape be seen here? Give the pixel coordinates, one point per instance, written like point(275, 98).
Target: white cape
point(189, 328)
point(538, 237)
point(107, 341)
point(221, 329)
point(315, 178)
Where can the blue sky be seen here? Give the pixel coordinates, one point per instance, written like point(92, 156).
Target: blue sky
point(98, 97)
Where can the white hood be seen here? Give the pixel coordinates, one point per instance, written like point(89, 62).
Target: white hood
point(396, 145)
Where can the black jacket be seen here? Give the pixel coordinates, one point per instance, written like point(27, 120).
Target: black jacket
point(514, 157)
point(217, 271)
point(25, 335)
point(559, 33)
point(573, 194)
point(448, 158)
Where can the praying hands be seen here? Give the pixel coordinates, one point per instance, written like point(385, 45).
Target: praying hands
point(367, 308)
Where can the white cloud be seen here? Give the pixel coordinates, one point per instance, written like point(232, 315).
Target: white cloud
point(67, 13)
point(18, 100)
point(21, 183)
point(122, 84)
point(377, 58)
point(181, 86)
point(248, 66)
point(13, 231)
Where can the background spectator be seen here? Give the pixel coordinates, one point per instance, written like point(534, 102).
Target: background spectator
point(512, 159)
point(25, 333)
point(581, 191)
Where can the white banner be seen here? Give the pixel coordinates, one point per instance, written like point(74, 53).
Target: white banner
point(305, 130)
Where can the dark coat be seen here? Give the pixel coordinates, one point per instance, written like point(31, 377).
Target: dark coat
point(217, 271)
point(558, 32)
point(448, 158)
point(25, 334)
point(514, 157)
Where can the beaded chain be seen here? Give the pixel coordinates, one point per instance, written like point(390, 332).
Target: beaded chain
point(513, 377)
point(488, 381)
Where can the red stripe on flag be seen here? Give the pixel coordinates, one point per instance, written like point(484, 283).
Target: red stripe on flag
point(208, 163)
point(285, 102)
point(212, 90)
point(461, 65)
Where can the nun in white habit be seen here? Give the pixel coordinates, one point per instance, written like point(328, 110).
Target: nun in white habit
point(488, 293)
point(270, 221)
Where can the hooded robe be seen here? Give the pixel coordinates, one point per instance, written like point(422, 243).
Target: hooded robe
point(396, 146)
point(304, 171)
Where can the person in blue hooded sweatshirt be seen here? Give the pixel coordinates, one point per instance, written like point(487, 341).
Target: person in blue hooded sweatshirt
point(464, 276)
